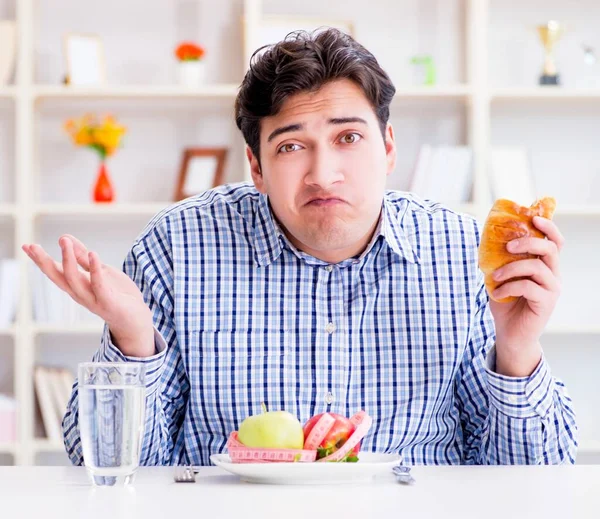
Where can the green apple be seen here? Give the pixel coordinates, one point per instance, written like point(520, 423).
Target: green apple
point(272, 430)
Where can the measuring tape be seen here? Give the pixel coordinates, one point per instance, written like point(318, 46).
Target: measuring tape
point(239, 453)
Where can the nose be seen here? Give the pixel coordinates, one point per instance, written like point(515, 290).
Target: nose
point(324, 170)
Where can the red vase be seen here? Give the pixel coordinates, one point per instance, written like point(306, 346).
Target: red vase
point(103, 190)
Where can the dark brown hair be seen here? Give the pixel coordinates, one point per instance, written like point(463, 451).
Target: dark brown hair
point(305, 62)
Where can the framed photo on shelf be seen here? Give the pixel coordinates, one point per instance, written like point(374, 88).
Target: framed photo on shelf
point(201, 169)
point(271, 29)
point(84, 56)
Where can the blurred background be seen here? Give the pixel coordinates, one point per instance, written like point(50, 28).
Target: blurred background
point(110, 111)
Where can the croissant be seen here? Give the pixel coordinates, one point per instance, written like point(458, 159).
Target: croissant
point(505, 222)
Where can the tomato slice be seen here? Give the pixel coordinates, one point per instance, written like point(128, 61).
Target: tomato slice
point(328, 432)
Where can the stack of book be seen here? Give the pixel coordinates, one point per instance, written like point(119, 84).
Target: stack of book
point(443, 174)
point(9, 291)
point(53, 306)
point(8, 419)
point(53, 387)
point(511, 175)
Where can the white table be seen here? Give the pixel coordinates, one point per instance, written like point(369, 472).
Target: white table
point(440, 492)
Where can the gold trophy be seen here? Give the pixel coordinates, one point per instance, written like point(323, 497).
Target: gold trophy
point(550, 34)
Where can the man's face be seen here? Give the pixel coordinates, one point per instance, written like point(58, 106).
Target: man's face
point(324, 166)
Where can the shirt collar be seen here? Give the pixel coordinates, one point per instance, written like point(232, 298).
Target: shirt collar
point(393, 232)
point(267, 246)
point(268, 234)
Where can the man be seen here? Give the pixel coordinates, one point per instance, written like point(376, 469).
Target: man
point(318, 290)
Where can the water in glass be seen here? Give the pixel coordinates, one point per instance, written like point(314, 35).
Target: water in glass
point(111, 420)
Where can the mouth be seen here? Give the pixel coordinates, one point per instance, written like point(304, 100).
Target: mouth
point(325, 202)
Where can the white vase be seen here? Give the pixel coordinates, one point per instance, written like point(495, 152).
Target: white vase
point(8, 46)
point(191, 73)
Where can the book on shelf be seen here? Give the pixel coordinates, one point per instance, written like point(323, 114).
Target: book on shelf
point(51, 305)
point(53, 389)
point(8, 419)
point(443, 174)
point(510, 174)
point(9, 291)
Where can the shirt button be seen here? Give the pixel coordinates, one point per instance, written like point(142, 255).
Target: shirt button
point(330, 328)
point(512, 399)
point(329, 268)
point(329, 398)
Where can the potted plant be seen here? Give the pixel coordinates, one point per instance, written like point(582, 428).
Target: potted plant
point(104, 137)
point(190, 65)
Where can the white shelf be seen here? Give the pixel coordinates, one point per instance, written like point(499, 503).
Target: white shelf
point(47, 445)
point(578, 210)
point(589, 447)
point(58, 329)
point(572, 330)
point(7, 210)
point(467, 207)
point(7, 332)
point(8, 92)
point(7, 448)
point(112, 209)
point(226, 91)
point(550, 92)
point(434, 91)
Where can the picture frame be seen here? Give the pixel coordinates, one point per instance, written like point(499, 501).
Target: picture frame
point(85, 61)
point(201, 169)
point(271, 29)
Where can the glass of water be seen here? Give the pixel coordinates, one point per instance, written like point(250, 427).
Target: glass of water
point(112, 405)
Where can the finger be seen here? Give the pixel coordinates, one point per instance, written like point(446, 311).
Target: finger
point(52, 269)
point(77, 281)
point(549, 228)
point(534, 269)
point(97, 278)
point(522, 288)
point(81, 252)
point(547, 250)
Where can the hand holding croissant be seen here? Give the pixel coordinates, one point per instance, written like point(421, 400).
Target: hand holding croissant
point(519, 256)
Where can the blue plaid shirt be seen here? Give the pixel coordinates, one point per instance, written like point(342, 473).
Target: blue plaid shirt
point(404, 331)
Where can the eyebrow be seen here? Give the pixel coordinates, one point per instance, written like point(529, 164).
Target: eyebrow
point(299, 126)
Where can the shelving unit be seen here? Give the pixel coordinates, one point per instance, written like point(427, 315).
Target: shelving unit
point(7, 332)
point(466, 95)
point(540, 93)
point(126, 92)
point(7, 210)
point(116, 209)
point(7, 92)
point(52, 329)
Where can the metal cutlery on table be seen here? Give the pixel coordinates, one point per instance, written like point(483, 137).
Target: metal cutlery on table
point(403, 475)
point(185, 474)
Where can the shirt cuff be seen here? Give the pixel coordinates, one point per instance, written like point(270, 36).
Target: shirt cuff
point(521, 397)
point(154, 364)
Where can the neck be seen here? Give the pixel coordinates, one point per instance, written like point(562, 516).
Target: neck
point(335, 255)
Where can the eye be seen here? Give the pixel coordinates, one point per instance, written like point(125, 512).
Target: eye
point(288, 148)
point(351, 138)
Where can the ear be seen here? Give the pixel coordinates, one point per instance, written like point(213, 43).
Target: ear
point(390, 148)
point(255, 171)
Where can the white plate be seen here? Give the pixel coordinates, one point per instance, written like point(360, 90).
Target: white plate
point(368, 466)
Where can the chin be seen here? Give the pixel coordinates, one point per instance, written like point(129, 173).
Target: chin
point(327, 240)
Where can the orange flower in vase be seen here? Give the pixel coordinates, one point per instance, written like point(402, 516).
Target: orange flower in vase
point(190, 63)
point(104, 137)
